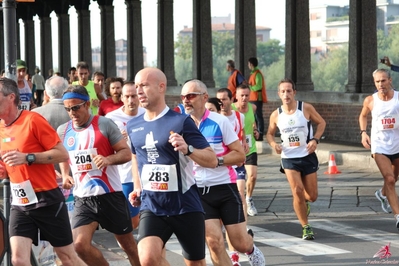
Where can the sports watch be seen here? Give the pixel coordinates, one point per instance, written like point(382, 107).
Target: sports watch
point(31, 158)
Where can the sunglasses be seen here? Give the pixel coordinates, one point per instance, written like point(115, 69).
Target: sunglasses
point(74, 108)
point(190, 96)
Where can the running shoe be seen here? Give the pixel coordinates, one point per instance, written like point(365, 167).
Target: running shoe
point(307, 233)
point(251, 210)
point(307, 208)
point(384, 201)
point(235, 258)
point(397, 220)
point(256, 258)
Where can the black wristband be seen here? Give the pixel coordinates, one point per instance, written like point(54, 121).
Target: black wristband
point(315, 139)
point(361, 132)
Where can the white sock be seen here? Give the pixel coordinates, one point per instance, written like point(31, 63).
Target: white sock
point(382, 196)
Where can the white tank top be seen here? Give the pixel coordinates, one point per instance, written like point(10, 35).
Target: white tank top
point(295, 131)
point(385, 125)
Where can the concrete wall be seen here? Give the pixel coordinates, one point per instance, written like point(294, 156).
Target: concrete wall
point(340, 110)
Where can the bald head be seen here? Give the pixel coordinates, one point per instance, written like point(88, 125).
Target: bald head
point(151, 88)
point(153, 74)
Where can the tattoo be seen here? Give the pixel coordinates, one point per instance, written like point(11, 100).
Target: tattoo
point(49, 158)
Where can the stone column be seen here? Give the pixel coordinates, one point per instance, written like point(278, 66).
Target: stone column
point(108, 60)
point(166, 54)
point(84, 32)
point(202, 42)
point(134, 38)
point(18, 38)
point(245, 34)
point(46, 48)
point(362, 46)
point(30, 54)
point(2, 61)
point(64, 43)
point(297, 44)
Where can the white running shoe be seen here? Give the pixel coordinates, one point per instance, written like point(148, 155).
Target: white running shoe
point(384, 201)
point(256, 258)
point(251, 209)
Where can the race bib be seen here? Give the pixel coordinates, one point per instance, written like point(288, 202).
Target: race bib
point(293, 140)
point(23, 194)
point(82, 160)
point(159, 177)
point(248, 139)
point(388, 122)
point(25, 105)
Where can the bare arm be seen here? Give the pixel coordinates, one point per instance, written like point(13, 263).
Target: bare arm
point(272, 131)
point(122, 155)
point(55, 155)
point(366, 109)
point(204, 157)
point(236, 156)
point(135, 195)
point(316, 118)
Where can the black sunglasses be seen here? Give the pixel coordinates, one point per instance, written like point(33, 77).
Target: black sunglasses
point(74, 108)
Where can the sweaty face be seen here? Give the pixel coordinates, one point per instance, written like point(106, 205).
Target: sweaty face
point(226, 102)
point(115, 89)
point(242, 96)
point(78, 111)
point(193, 100)
point(21, 73)
point(99, 80)
point(83, 75)
point(130, 98)
point(382, 82)
point(286, 92)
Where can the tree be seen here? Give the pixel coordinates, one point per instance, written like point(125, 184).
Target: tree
point(269, 52)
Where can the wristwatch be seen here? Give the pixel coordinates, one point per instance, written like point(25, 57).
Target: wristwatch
point(220, 161)
point(190, 149)
point(31, 158)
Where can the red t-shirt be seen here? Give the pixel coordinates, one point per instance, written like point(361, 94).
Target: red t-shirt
point(108, 105)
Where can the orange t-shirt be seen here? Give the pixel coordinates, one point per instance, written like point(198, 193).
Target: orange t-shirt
point(30, 133)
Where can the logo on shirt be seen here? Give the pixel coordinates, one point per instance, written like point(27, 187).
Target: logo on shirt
point(152, 152)
point(71, 141)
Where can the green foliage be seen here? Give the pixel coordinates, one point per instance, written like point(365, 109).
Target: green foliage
point(388, 45)
point(183, 47)
point(269, 52)
point(341, 18)
point(274, 73)
point(183, 69)
point(222, 44)
point(330, 73)
point(223, 49)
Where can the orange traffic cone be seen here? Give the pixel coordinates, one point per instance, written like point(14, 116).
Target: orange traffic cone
point(332, 167)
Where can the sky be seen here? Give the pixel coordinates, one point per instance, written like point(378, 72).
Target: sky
point(269, 13)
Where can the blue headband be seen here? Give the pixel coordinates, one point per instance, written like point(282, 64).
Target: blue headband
point(74, 95)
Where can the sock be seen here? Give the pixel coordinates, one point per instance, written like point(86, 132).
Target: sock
point(249, 253)
point(248, 198)
point(382, 196)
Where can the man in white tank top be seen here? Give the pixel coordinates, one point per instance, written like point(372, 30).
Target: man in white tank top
point(299, 162)
point(384, 139)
